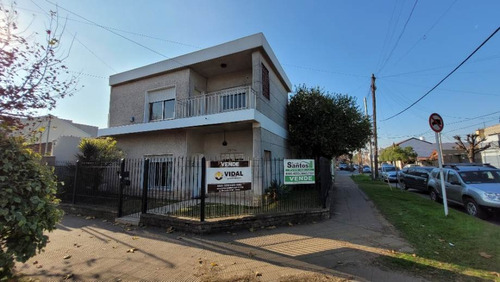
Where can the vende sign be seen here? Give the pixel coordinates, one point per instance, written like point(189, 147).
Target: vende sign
point(299, 171)
point(228, 176)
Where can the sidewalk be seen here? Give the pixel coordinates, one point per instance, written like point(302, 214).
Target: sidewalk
point(343, 248)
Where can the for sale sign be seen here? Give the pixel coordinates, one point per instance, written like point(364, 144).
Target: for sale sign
point(228, 176)
point(299, 171)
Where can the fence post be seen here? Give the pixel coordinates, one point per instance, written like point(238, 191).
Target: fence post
point(202, 190)
point(75, 182)
point(120, 192)
point(325, 178)
point(145, 182)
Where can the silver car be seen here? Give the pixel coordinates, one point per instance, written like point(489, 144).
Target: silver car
point(475, 186)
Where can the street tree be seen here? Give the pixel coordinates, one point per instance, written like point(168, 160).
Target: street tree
point(32, 74)
point(324, 124)
point(472, 145)
point(396, 153)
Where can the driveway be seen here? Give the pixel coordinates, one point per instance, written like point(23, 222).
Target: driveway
point(345, 247)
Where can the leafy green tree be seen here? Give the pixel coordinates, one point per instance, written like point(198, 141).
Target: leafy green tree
point(324, 124)
point(100, 150)
point(396, 153)
point(28, 205)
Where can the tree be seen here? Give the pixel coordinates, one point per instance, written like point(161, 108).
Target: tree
point(472, 147)
point(30, 72)
point(28, 205)
point(100, 150)
point(324, 124)
point(396, 153)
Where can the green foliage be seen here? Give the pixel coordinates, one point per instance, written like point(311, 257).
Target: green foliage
point(28, 205)
point(324, 124)
point(277, 191)
point(396, 153)
point(101, 150)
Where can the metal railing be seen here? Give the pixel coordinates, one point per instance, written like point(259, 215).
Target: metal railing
point(227, 100)
point(174, 186)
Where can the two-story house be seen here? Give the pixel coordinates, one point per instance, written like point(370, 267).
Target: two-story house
point(227, 102)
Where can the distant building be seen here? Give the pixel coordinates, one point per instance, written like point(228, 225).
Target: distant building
point(492, 137)
point(55, 138)
point(427, 151)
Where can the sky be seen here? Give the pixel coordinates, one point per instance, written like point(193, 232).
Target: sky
point(410, 46)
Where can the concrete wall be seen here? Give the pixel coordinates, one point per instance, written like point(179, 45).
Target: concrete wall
point(277, 145)
point(275, 107)
point(153, 143)
point(197, 83)
point(128, 100)
point(66, 148)
point(230, 80)
point(238, 142)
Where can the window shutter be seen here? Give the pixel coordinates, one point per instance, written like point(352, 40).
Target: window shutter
point(265, 82)
point(161, 95)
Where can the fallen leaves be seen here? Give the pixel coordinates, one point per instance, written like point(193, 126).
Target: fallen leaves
point(485, 255)
point(131, 250)
point(170, 230)
point(67, 257)
point(135, 238)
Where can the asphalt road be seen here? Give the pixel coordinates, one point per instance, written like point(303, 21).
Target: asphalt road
point(495, 219)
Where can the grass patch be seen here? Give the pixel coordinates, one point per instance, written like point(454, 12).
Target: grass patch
point(447, 248)
point(300, 199)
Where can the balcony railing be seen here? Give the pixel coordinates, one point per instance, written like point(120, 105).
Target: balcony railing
point(227, 100)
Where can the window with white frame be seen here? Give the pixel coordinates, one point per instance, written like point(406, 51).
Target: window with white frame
point(160, 104)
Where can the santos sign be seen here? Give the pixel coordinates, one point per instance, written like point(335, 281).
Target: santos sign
point(299, 171)
point(228, 176)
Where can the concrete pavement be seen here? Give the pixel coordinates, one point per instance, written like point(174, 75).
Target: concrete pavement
point(342, 248)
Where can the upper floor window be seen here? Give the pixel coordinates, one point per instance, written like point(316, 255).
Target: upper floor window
point(265, 82)
point(160, 104)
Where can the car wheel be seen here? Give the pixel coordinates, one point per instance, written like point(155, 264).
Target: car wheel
point(434, 195)
point(472, 208)
point(404, 186)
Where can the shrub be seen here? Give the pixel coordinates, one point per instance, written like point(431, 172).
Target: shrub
point(28, 205)
point(277, 191)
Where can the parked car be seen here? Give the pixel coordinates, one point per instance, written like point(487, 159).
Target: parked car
point(367, 169)
point(388, 173)
point(343, 166)
point(475, 186)
point(415, 177)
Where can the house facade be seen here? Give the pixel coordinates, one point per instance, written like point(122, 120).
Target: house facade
point(56, 139)
point(224, 102)
point(492, 137)
point(427, 151)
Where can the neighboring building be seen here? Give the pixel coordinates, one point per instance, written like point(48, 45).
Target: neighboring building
point(492, 137)
point(55, 138)
point(224, 102)
point(426, 151)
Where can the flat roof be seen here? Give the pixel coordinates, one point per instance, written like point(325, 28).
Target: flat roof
point(246, 43)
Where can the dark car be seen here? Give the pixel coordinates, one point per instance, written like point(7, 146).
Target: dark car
point(415, 177)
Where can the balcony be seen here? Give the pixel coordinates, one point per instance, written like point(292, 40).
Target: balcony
point(207, 109)
point(233, 99)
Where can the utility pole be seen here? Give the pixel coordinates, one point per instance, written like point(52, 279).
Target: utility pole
point(48, 133)
point(374, 102)
point(370, 152)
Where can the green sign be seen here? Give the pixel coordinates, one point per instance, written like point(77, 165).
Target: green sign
point(299, 171)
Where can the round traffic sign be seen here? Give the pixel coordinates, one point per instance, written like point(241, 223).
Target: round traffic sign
point(436, 122)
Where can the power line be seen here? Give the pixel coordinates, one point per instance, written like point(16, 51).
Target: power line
point(442, 80)
point(399, 37)
point(110, 30)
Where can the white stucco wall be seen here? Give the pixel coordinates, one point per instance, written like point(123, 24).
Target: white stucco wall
point(65, 148)
point(238, 142)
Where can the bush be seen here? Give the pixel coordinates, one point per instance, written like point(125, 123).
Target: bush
point(28, 205)
point(277, 191)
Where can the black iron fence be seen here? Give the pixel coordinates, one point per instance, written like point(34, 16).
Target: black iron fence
point(175, 186)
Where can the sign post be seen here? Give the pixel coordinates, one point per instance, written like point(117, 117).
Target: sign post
point(436, 122)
